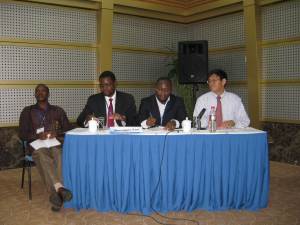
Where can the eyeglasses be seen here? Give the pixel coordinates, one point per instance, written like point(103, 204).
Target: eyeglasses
point(213, 81)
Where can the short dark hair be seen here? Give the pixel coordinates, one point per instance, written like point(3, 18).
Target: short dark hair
point(41, 85)
point(220, 73)
point(109, 74)
point(163, 79)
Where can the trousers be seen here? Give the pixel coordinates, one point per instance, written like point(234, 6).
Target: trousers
point(48, 163)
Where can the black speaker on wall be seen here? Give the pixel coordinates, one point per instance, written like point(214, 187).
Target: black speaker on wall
point(193, 61)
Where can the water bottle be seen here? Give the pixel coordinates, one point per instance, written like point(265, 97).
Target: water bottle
point(212, 120)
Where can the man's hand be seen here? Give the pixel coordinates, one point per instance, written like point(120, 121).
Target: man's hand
point(228, 124)
point(89, 117)
point(171, 125)
point(151, 121)
point(118, 116)
point(47, 135)
point(43, 135)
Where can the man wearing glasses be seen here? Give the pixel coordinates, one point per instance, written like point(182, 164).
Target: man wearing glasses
point(117, 108)
point(229, 109)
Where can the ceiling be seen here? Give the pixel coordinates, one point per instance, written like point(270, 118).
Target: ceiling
point(180, 3)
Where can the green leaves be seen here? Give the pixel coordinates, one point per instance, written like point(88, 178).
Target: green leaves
point(183, 90)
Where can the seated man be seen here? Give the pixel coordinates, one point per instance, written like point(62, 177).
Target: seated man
point(163, 108)
point(117, 108)
point(42, 121)
point(230, 111)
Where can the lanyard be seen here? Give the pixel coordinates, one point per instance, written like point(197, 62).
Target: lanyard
point(42, 117)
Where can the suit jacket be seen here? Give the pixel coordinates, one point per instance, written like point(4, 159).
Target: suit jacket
point(96, 105)
point(175, 109)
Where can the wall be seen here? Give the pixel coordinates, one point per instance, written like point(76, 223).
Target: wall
point(280, 86)
point(142, 45)
point(280, 89)
point(140, 52)
point(226, 40)
point(43, 44)
point(57, 45)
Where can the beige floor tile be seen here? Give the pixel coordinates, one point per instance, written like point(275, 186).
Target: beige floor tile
point(16, 209)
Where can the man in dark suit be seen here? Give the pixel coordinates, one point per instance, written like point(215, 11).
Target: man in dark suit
point(117, 108)
point(163, 108)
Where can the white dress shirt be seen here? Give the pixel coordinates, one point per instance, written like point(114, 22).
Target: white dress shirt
point(162, 108)
point(232, 108)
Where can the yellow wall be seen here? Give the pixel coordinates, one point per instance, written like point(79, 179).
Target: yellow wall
point(104, 48)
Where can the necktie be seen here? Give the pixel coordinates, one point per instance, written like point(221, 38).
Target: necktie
point(110, 112)
point(219, 117)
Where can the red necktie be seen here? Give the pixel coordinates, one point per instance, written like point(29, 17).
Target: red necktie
point(219, 116)
point(110, 116)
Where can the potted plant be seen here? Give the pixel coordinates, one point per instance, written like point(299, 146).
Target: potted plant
point(183, 90)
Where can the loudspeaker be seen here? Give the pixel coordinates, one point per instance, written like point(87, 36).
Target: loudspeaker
point(193, 61)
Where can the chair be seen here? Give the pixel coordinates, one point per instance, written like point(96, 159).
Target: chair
point(27, 164)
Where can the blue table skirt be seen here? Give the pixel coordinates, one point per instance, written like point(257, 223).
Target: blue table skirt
point(211, 172)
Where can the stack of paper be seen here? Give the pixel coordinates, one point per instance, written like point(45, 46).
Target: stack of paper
point(47, 143)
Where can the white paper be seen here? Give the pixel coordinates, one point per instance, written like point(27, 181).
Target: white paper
point(47, 143)
point(126, 129)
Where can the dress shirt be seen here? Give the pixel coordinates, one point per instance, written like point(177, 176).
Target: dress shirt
point(232, 108)
point(162, 108)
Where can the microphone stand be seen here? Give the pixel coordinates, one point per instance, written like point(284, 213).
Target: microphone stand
point(195, 89)
point(198, 119)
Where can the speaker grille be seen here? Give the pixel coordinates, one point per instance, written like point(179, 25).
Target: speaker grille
point(193, 61)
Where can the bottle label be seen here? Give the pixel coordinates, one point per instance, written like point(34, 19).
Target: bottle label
point(212, 125)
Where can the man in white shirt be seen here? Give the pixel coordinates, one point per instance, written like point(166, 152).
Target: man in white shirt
point(163, 108)
point(230, 111)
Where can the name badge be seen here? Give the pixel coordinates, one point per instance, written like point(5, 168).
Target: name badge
point(40, 130)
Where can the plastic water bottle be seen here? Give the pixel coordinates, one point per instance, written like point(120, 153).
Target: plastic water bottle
point(212, 120)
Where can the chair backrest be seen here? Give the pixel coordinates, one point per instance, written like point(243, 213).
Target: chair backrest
point(27, 156)
point(24, 145)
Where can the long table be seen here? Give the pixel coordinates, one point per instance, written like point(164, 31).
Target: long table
point(175, 171)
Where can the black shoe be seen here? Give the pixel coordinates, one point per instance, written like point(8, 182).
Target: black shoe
point(55, 208)
point(56, 200)
point(65, 194)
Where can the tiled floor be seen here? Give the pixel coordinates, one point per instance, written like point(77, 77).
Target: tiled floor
point(15, 208)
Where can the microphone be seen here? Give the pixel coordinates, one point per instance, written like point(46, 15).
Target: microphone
point(201, 113)
point(199, 118)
